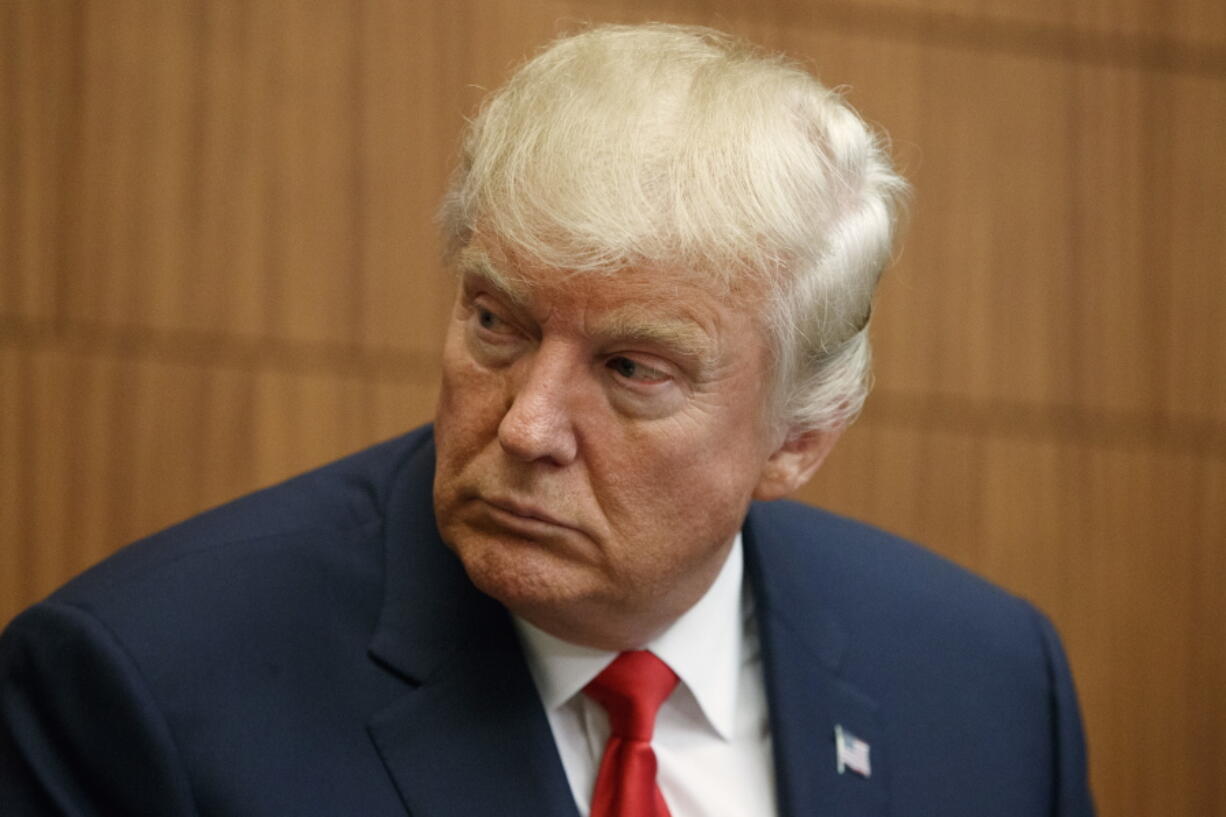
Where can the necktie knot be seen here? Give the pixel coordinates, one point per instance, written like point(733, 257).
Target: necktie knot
point(631, 690)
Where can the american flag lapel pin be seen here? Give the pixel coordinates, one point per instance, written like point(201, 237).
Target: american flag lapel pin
point(851, 752)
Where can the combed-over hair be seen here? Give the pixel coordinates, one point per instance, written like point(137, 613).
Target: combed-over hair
point(664, 146)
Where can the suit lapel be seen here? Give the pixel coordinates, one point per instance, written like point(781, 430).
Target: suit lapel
point(472, 739)
point(802, 648)
point(469, 735)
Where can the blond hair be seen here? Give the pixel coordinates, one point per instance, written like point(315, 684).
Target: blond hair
point(683, 148)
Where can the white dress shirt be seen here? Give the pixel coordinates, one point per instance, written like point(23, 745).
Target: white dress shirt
point(712, 738)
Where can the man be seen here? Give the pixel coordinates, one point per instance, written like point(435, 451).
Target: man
point(563, 599)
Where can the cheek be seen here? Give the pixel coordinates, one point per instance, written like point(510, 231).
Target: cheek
point(670, 484)
point(709, 464)
point(669, 521)
point(470, 405)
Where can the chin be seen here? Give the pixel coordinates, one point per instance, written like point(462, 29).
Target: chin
point(523, 575)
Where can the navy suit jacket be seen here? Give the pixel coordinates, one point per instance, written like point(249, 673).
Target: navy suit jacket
point(315, 649)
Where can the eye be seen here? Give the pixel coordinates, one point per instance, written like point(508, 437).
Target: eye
point(636, 371)
point(488, 319)
point(492, 334)
point(490, 322)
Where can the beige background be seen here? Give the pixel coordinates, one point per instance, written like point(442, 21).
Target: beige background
point(218, 268)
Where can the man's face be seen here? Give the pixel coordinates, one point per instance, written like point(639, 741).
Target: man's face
point(599, 440)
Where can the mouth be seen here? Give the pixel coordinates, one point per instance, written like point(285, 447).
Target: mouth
point(523, 513)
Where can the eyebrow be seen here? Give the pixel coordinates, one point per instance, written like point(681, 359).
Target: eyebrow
point(473, 263)
point(633, 324)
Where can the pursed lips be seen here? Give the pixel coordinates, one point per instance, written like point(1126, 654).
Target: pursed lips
point(525, 511)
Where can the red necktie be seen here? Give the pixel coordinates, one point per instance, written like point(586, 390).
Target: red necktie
point(631, 690)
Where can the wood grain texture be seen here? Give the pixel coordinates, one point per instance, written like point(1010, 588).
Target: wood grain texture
point(218, 268)
point(1185, 36)
point(1172, 23)
point(37, 84)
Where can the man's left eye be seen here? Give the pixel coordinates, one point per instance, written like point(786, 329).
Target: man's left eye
point(636, 371)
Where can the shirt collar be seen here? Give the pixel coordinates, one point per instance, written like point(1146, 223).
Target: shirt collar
point(703, 647)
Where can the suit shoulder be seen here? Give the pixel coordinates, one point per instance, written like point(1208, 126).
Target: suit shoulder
point(878, 578)
point(310, 513)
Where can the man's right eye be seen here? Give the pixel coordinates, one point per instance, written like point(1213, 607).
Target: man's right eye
point(491, 332)
point(490, 321)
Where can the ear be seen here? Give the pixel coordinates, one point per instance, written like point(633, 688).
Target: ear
point(794, 462)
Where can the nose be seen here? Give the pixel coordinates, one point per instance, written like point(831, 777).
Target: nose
point(537, 426)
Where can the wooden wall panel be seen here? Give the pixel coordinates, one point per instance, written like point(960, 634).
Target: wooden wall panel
point(1193, 174)
point(35, 42)
point(875, 473)
point(411, 117)
point(16, 585)
point(218, 267)
point(1181, 34)
point(259, 170)
point(1192, 22)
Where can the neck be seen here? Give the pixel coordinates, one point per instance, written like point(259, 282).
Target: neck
point(598, 629)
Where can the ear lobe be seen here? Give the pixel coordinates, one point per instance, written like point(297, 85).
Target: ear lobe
point(794, 462)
